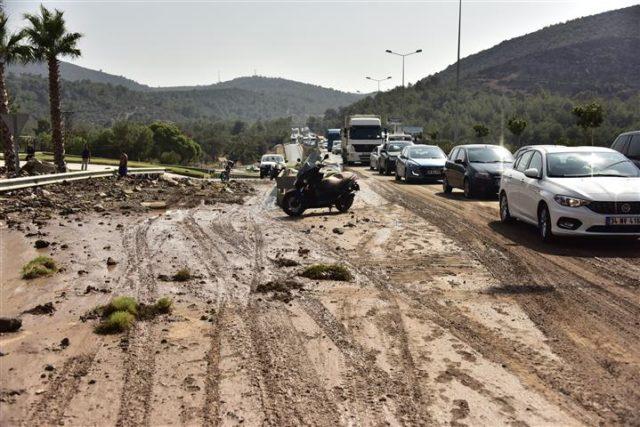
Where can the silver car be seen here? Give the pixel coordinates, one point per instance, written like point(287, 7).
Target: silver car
point(420, 162)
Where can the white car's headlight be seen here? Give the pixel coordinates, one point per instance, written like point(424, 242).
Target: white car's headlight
point(571, 202)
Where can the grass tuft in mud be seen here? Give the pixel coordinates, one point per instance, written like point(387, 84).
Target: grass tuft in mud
point(126, 304)
point(39, 267)
point(122, 312)
point(182, 275)
point(119, 321)
point(327, 272)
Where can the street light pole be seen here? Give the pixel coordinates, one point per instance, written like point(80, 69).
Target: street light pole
point(378, 81)
point(457, 116)
point(403, 55)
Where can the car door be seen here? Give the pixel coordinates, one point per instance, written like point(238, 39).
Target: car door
point(633, 149)
point(516, 184)
point(530, 192)
point(401, 162)
point(459, 168)
point(449, 165)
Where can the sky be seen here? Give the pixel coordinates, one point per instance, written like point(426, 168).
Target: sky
point(329, 43)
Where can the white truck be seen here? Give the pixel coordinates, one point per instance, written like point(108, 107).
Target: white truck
point(362, 133)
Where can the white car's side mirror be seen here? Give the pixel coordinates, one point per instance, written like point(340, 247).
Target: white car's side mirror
point(532, 173)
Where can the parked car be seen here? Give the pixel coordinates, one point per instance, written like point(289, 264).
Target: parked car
point(476, 169)
point(573, 191)
point(269, 161)
point(388, 155)
point(373, 158)
point(420, 162)
point(628, 144)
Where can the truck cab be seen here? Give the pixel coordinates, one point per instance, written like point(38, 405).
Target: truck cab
point(362, 133)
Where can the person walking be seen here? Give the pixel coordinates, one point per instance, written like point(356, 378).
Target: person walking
point(124, 162)
point(86, 157)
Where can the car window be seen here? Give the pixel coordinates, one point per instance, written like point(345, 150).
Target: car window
point(634, 147)
point(453, 154)
point(461, 154)
point(524, 161)
point(619, 143)
point(489, 154)
point(536, 161)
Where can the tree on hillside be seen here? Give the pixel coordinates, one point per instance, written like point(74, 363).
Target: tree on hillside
point(433, 134)
point(516, 126)
point(168, 138)
point(49, 39)
point(589, 117)
point(481, 130)
point(11, 50)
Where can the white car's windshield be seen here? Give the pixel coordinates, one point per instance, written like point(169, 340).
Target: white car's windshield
point(589, 164)
point(489, 155)
point(425, 153)
point(275, 159)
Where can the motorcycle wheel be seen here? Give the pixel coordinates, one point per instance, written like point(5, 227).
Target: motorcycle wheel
point(344, 203)
point(292, 205)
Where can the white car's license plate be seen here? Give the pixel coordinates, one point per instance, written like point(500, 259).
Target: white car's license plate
point(623, 220)
point(433, 172)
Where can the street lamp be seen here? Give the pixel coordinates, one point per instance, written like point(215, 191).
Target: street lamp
point(457, 117)
point(378, 81)
point(403, 55)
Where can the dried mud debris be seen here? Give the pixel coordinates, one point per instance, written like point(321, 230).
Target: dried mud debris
point(111, 195)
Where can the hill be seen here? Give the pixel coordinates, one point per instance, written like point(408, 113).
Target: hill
point(74, 73)
point(597, 53)
point(103, 98)
point(539, 76)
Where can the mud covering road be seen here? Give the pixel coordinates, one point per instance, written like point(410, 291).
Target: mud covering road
point(450, 319)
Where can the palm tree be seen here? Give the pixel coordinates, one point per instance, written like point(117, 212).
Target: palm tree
point(49, 39)
point(11, 51)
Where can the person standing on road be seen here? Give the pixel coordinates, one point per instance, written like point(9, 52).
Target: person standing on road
point(124, 163)
point(86, 157)
point(31, 152)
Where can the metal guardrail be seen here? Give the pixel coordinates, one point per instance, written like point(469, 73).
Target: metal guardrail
point(37, 180)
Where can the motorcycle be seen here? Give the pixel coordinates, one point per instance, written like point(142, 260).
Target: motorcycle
point(225, 175)
point(315, 189)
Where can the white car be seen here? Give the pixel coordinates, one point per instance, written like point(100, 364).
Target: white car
point(587, 191)
point(269, 161)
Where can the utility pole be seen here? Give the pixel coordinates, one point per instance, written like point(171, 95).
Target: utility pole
point(403, 55)
point(457, 115)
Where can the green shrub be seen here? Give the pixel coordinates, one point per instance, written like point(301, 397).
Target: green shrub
point(170, 158)
point(39, 267)
point(122, 303)
point(327, 272)
point(163, 305)
point(119, 321)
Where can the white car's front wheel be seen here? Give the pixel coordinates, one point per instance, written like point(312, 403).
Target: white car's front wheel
point(505, 215)
point(544, 224)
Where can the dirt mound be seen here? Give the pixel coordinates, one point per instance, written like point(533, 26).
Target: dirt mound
point(36, 167)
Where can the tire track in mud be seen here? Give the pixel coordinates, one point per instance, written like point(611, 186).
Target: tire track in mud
point(371, 381)
point(366, 381)
point(50, 409)
point(141, 341)
point(290, 383)
point(570, 308)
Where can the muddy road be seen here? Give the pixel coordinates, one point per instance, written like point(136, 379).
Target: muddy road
point(450, 319)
